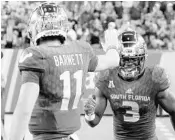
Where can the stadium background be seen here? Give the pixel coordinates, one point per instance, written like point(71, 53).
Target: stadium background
point(10, 70)
point(155, 21)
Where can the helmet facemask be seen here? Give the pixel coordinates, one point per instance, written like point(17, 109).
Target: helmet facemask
point(132, 55)
point(131, 67)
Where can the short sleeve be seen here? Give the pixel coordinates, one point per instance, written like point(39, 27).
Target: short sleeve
point(101, 79)
point(87, 47)
point(91, 51)
point(92, 56)
point(30, 76)
point(93, 59)
point(161, 79)
point(31, 60)
point(93, 64)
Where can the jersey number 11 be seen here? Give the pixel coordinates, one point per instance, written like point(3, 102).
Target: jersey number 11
point(66, 77)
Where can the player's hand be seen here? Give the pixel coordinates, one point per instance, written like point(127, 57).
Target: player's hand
point(89, 105)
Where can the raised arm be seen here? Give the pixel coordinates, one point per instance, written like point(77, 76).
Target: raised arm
point(94, 108)
point(103, 62)
point(166, 99)
point(109, 60)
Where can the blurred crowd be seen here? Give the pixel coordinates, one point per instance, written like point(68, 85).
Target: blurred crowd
point(96, 21)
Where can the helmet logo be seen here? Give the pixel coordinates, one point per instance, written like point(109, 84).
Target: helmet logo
point(111, 84)
point(129, 91)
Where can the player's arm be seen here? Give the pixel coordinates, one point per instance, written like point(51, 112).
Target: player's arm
point(28, 95)
point(102, 62)
point(31, 67)
point(109, 60)
point(94, 108)
point(166, 100)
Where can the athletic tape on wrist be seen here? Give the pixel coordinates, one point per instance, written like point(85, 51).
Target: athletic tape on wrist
point(90, 117)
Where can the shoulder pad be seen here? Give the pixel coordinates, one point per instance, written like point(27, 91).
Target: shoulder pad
point(160, 77)
point(87, 47)
point(31, 59)
point(84, 44)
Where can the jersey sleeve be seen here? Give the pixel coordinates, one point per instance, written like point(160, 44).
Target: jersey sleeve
point(31, 60)
point(93, 64)
point(101, 79)
point(30, 76)
point(160, 78)
point(93, 59)
point(92, 56)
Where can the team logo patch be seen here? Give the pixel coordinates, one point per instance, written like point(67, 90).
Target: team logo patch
point(111, 84)
point(129, 91)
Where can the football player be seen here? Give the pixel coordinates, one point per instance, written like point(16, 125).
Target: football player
point(134, 92)
point(53, 77)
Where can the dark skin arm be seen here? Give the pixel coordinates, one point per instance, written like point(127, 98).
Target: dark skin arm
point(101, 103)
point(166, 99)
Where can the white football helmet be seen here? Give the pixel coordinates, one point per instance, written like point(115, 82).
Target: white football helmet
point(48, 19)
point(133, 52)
